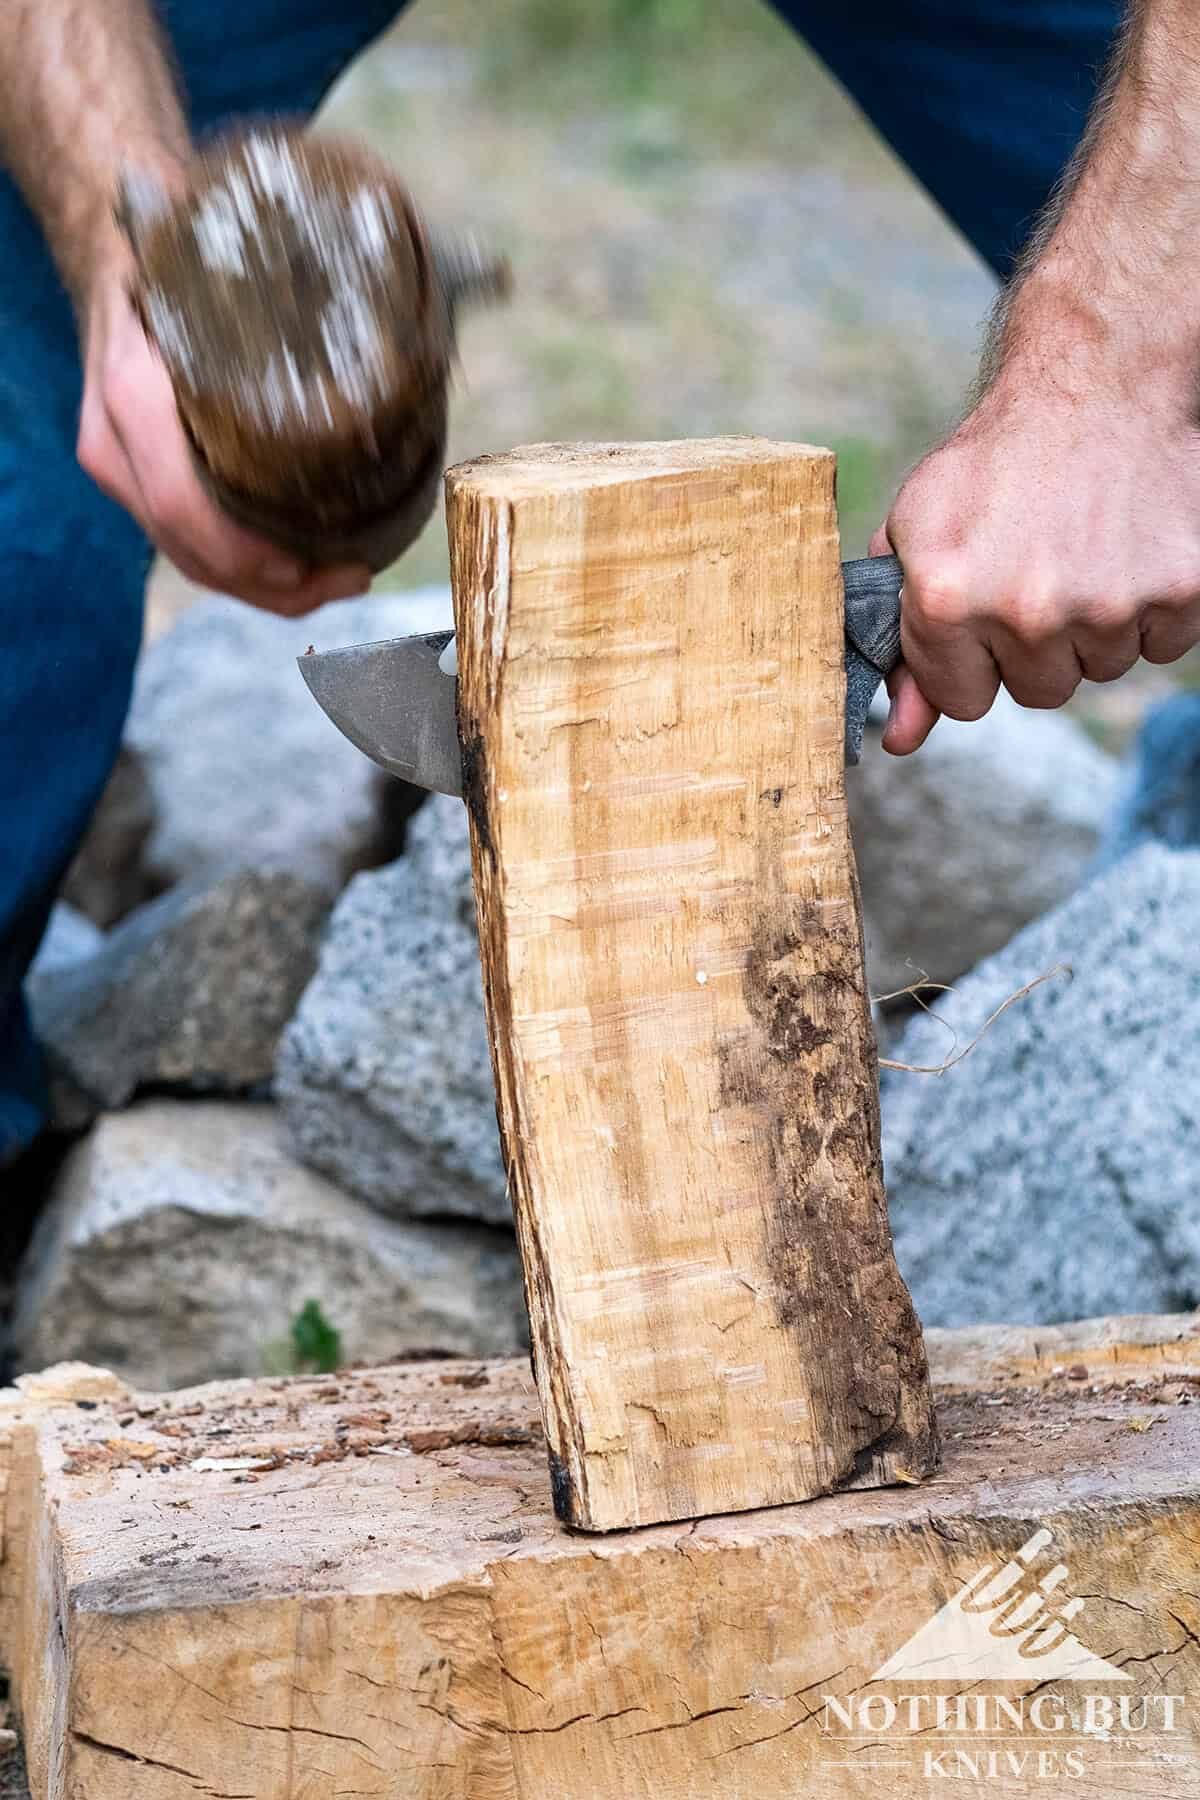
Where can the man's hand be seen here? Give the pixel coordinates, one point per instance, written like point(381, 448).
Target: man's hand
point(132, 445)
point(86, 91)
point(1054, 538)
point(1056, 535)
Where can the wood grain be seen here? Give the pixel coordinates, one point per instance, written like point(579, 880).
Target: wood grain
point(390, 1609)
point(651, 692)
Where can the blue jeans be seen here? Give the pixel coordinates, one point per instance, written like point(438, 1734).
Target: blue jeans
point(985, 100)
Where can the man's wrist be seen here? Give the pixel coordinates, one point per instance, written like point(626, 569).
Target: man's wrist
point(1069, 334)
point(97, 254)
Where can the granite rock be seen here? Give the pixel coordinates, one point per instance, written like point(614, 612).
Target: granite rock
point(109, 876)
point(191, 991)
point(985, 828)
point(242, 761)
point(383, 1074)
point(1052, 1174)
point(70, 937)
point(181, 1240)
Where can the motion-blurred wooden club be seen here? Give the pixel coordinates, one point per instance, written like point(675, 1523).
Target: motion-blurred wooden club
point(306, 316)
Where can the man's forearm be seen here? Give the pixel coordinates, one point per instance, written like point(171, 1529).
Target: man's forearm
point(1055, 536)
point(85, 89)
point(1113, 271)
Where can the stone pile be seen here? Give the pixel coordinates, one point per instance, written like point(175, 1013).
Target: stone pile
point(272, 1010)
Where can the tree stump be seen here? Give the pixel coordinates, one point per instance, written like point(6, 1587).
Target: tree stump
point(651, 692)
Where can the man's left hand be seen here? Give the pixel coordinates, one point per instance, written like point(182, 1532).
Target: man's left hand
point(1054, 538)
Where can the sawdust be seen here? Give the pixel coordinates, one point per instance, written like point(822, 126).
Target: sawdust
point(246, 1443)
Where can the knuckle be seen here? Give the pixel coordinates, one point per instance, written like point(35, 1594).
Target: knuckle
point(1035, 620)
point(1105, 614)
point(966, 708)
point(938, 601)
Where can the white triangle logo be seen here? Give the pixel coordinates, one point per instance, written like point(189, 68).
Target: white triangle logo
point(998, 1628)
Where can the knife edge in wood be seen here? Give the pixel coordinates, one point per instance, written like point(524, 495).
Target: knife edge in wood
point(396, 700)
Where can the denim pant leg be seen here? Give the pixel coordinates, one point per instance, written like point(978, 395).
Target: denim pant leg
point(984, 99)
point(74, 565)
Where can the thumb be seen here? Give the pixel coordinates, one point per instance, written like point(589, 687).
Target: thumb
point(912, 718)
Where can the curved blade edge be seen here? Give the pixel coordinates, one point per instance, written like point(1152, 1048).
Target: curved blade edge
point(394, 704)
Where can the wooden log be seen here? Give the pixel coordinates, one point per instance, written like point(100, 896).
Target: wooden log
point(651, 692)
point(305, 315)
point(295, 1590)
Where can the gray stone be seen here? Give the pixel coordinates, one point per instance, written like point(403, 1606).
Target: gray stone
point(108, 876)
point(181, 1240)
point(1052, 1174)
point(1160, 788)
point(984, 829)
point(190, 991)
point(70, 938)
point(384, 1074)
point(242, 761)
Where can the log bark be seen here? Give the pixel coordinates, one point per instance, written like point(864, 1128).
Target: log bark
point(651, 692)
point(295, 1590)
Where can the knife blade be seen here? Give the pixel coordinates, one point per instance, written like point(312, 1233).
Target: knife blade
point(396, 700)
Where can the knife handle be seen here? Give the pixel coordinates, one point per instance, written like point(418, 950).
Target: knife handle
point(873, 585)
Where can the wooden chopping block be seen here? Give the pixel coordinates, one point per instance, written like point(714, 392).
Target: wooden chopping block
point(304, 1589)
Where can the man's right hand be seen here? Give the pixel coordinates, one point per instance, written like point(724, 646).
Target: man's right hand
point(132, 445)
point(86, 93)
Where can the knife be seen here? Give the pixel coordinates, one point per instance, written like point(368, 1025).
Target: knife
point(397, 700)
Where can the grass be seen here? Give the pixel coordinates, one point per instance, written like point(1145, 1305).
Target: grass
point(313, 1346)
point(691, 77)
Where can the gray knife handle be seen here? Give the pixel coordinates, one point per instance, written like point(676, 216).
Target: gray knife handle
point(873, 586)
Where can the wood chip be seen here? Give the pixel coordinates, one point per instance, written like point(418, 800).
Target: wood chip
point(229, 1465)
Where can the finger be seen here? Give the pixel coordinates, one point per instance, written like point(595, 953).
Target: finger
point(1169, 632)
point(881, 543)
point(143, 418)
point(954, 670)
point(322, 588)
point(1042, 675)
point(911, 718)
point(218, 554)
point(1106, 656)
point(319, 588)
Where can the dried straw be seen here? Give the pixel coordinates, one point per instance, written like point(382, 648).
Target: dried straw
point(956, 1055)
